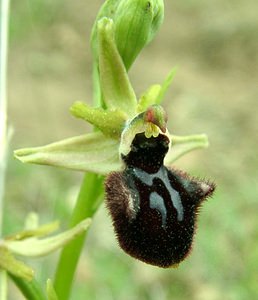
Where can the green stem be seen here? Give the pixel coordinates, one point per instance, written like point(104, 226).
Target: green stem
point(3, 287)
point(4, 20)
point(30, 290)
point(87, 203)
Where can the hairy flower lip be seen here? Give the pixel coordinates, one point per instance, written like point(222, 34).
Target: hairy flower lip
point(154, 208)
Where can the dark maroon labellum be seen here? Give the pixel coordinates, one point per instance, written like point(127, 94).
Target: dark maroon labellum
point(154, 208)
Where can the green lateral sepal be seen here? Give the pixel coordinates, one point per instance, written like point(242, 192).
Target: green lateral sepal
point(181, 145)
point(93, 152)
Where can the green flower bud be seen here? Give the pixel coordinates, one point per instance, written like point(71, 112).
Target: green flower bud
point(136, 23)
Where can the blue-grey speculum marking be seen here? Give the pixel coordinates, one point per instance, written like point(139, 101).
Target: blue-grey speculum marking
point(162, 174)
point(157, 202)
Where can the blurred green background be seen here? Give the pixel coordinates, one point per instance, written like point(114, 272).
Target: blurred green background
point(215, 46)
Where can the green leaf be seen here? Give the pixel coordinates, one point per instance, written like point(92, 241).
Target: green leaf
point(184, 144)
point(31, 290)
point(93, 152)
point(37, 232)
point(9, 263)
point(110, 122)
point(34, 247)
point(115, 85)
point(51, 293)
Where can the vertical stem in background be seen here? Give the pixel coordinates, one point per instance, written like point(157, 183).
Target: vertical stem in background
point(4, 17)
point(30, 289)
point(3, 285)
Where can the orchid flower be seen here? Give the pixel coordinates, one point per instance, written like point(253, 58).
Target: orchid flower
point(153, 206)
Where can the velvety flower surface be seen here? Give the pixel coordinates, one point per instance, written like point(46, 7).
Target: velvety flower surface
point(154, 208)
